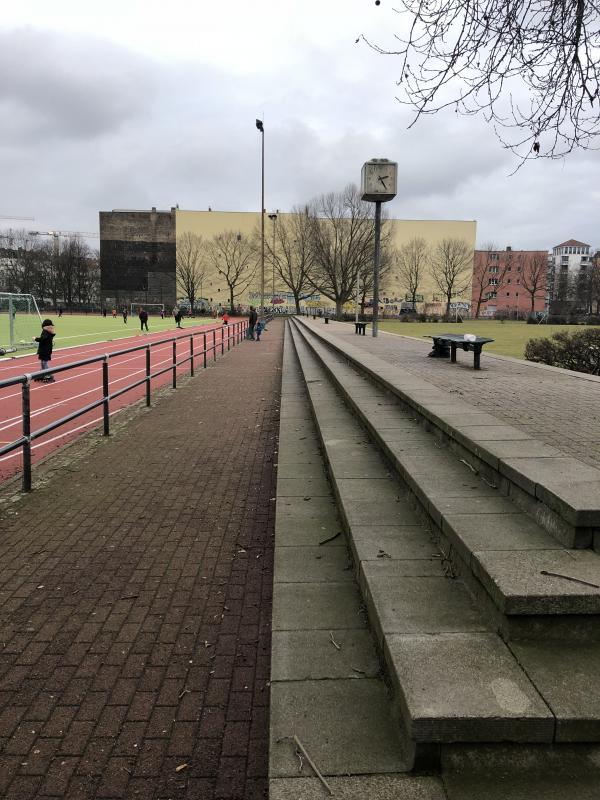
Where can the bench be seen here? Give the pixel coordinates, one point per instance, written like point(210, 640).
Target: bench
point(360, 328)
point(452, 341)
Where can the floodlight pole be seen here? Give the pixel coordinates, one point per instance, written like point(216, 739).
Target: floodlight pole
point(375, 326)
point(261, 128)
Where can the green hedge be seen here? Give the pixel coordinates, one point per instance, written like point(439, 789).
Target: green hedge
point(579, 351)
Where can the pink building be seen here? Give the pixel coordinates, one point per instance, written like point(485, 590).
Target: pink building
point(509, 281)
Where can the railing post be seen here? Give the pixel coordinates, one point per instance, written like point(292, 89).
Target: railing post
point(26, 414)
point(223, 340)
point(148, 372)
point(192, 356)
point(214, 333)
point(204, 348)
point(228, 339)
point(174, 363)
point(105, 393)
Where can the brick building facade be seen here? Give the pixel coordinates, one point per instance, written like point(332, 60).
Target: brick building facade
point(512, 282)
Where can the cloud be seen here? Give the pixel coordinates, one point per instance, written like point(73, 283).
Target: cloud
point(69, 87)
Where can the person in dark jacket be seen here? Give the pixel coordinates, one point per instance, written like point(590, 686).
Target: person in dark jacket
point(177, 314)
point(252, 320)
point(44, 351)
point(143, 315)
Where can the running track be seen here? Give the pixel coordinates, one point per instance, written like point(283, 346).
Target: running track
point(82, 385)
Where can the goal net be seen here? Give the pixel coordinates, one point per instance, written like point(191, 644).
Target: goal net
point(20, 321)
point(153, 309)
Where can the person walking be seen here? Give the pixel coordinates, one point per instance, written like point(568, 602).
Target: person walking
point(225, 318)
point(252, 320)
point(177, 314)
point(125, 314)
point(44, 351)
point(143, 316)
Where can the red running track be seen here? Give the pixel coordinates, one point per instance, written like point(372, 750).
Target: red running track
point(79, 386)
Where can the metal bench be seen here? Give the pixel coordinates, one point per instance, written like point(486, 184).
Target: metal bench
point(447, 343)
point(360, 328)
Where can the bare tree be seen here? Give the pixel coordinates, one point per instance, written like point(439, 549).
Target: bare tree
point(534, 274)
point(530, 67)
point(191, 265)
point(233, 257)
point(412, 260)
point(451, 271)
point(343, 242)
point(292, 254)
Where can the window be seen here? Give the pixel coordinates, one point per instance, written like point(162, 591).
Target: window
point(518, 280)
point(493, 281)
point(493, 269)
point(508, 281)
point(508, 269)
point(508, 294)
point(494, 256)
point(517, 294)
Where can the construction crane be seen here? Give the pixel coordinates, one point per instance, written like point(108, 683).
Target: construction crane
point(66, 234)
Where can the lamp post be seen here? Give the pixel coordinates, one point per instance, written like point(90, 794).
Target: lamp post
point(273, 218)
point(261, 128)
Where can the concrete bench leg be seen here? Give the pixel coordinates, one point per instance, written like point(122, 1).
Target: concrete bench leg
point(476, 357)
point(453, 352)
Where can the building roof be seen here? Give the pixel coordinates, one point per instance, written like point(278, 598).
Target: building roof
point(572, 243)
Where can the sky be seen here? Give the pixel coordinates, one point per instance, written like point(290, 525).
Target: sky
point(135, 104)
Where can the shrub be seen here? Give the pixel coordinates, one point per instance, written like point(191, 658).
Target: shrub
point(532, 320)
point(579, 351)
point(592, 319)
point(556, 319)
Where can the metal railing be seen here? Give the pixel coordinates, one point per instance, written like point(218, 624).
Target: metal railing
point(232, 334)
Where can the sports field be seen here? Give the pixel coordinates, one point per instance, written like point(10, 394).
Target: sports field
point(509, 338)
point(76, 329)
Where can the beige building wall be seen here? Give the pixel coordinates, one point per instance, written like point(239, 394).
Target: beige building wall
point(210, 223)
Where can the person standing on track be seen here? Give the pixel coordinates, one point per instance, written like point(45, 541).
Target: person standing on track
point(125, 313)
point(177, 314)
point(44, 351)
point(143, 315)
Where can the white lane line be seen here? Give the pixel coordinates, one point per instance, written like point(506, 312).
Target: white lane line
point(62, 435)
point(17, 419)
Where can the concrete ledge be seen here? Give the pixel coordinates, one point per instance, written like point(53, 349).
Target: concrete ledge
point(572, 499)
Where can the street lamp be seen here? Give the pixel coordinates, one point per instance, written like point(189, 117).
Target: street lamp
point(273, 218)
point(261, 128)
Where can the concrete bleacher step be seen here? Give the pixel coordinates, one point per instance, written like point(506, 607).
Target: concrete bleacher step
point(561, 493)
point(528, 582)
point(455, 679)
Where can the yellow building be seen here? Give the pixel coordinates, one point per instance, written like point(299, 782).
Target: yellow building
point(211, 223)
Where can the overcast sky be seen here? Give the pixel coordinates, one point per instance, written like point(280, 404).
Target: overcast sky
point(140, 103)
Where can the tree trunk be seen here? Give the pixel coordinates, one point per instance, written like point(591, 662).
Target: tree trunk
point(231, 299)
point(338, 309)
point(448, 299)
point(297, 302)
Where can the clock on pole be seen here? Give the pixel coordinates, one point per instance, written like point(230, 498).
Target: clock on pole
point(378, 184)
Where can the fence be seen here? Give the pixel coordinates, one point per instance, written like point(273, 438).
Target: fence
point(230, 336)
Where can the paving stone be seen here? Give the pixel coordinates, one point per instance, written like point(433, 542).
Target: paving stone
point(396, 541)
point(313, 486)
point(577, 502)
point(516, 583)
point(385, 512)
point(311, 655)
point(466, 687)
point(317, 606)
point(470, 533)
point(359, 787)
point(309, 532)
point(529, 472)
point(306, 564)
point(561, 673)
point(368, 490)
point(421, 605)
point(351, 734)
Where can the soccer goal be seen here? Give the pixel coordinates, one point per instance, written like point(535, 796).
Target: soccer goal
point(153, 309)
point(20, 321)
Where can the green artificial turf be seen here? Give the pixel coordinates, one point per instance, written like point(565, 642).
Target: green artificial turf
point(77, 329)
point(510, 338)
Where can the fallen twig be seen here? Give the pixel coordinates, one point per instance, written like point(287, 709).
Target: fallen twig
point(568, 578)
point(466, 463)
point(333, 641)
point(302, 749)
point(331, 538)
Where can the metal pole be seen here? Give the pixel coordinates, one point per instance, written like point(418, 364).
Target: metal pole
point(192, 356)
point(11, 321)
point(204, 348)
point(174, 363)
point(26, 414)
point(214, 333)
point(105, 393)
point(148, 387)
point(222, 339)
point(376, 268)
point(357, 296)
point(228, 339)
point(262, 225)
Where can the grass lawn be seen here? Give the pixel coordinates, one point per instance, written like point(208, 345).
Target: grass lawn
point(509, 337)
point(75, 329)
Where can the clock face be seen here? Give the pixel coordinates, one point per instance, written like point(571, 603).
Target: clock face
point(379, 180)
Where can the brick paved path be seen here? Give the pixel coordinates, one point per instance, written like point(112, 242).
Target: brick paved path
point(552, 406)
point(135, 602)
